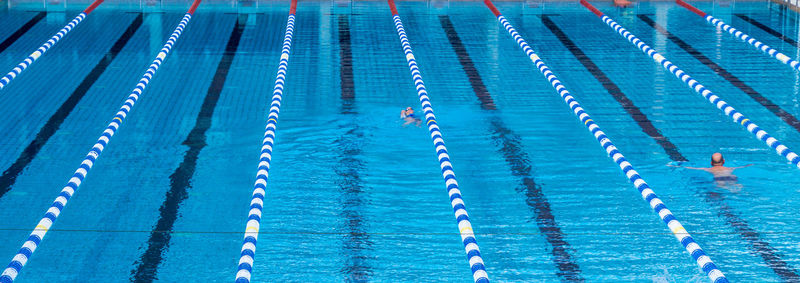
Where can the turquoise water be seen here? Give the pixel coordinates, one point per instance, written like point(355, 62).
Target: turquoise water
point(353, 195)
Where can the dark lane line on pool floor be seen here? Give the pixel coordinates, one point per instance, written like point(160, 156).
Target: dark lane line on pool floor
point(790, 119)
point(349, 166)
point(475, 80)
point(769, 254)
point(768, 29)
point(614, 90)
point(21, 31)
point(9, 176)
point(519, 161)
point(346, 65)
point(180, 180)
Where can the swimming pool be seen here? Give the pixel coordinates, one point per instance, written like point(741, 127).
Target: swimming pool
point(353, 195)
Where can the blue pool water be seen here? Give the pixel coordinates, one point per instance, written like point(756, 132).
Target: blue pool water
point(353, 195)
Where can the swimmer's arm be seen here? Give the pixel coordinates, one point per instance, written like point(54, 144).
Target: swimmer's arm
point(687, 167)
point(748, 165)
point(697, 168)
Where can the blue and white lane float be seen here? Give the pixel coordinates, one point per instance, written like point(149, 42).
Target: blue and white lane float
point(647, 193)
point(47, 45)
point(30, 245)
point(736, 116)
point(459, 209)
point(742, 36)
point(248, 253)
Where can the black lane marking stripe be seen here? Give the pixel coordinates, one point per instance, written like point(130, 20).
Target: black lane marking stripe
point(21, 31)
point(180, 180)
point(769, 254)
point(10, 175)
point(520, 164)
point(356, 241)
point(346, 60)
point(612, 88)
point(474, 77)
point(519, 161)
point(790, 119)
point(768, 29)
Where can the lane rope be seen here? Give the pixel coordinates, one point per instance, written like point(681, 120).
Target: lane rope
point(253, 225)
point(644, 189)
point(783, 58)
point(47, 45)
point(459, 209)
point(30, 245)
point(735, 115)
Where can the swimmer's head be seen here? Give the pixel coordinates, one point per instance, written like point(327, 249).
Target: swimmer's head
point(409, 109)
point(717, 159)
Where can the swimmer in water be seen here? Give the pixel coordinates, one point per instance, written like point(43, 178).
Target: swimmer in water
point(622, 3)
point(408, 116)
point(723, 176)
